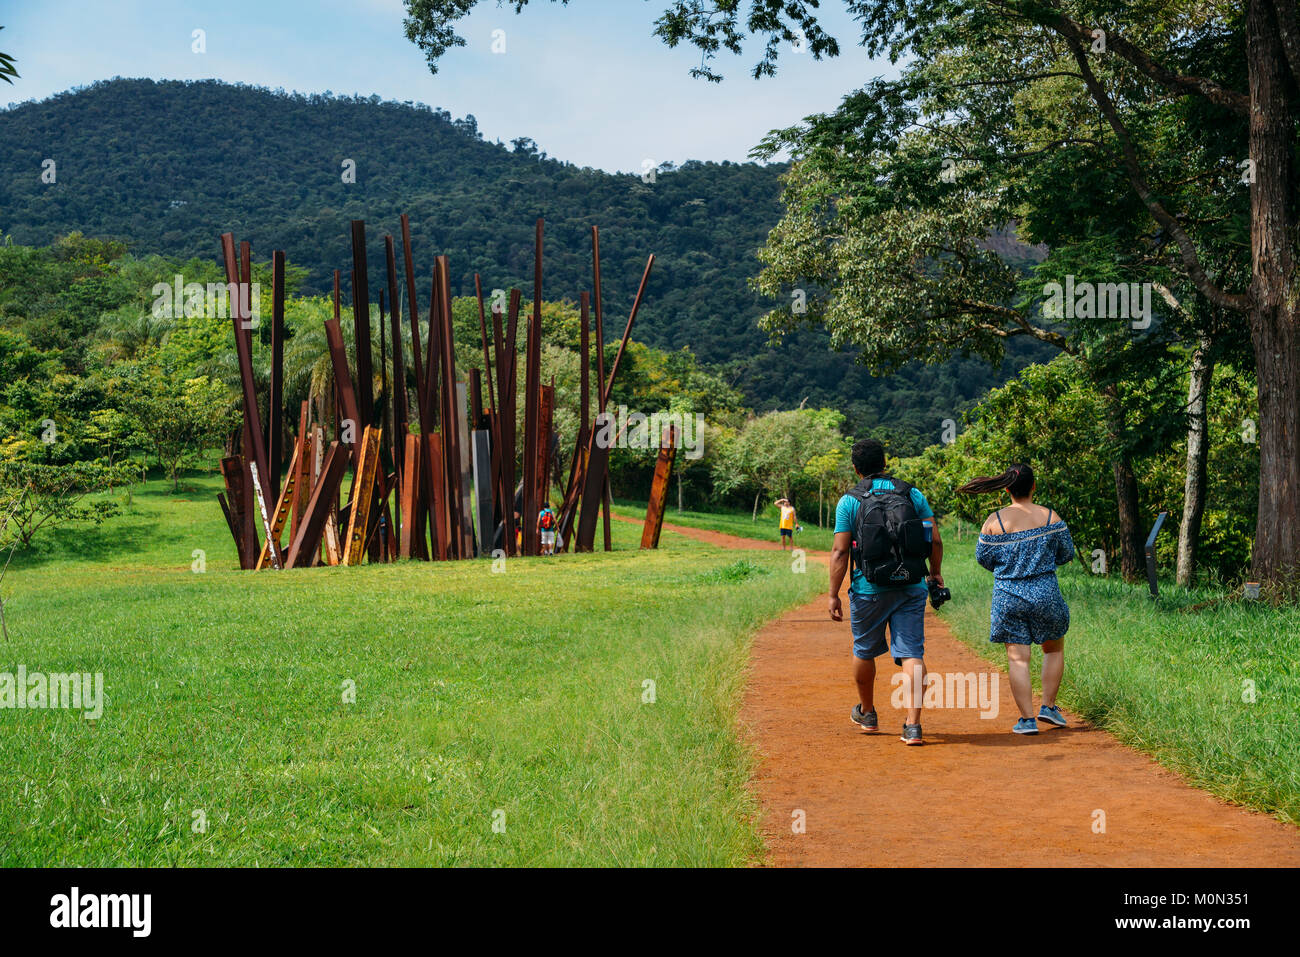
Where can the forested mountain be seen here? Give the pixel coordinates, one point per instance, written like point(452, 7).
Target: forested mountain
point(168, 166)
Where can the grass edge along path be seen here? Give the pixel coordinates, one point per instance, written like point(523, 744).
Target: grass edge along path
point(1209, 693)
point(1088, 799)
point(1172, 683)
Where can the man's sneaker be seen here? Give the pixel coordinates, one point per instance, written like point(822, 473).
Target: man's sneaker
point(866, 720)
point(1026, 726)
point(911, 734)
point(1052, 715)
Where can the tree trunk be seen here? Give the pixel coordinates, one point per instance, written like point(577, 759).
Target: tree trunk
point(1131, 542)
point(756, 495)
point(1198, 397)
point(1274, 299)
point(679, 490)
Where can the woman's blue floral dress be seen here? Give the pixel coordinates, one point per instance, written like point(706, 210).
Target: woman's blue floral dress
point(1027, 605)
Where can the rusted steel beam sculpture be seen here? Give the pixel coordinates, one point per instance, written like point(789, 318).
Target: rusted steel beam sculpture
point(509, 418)
point(254, 448)
point(532, 387)
point(593, 486)
point(654, 513)
point(410, 493)
point(545, 438)
point(351, 424)
point(324, 497)
point(401, 408)
point(488, 532)
point(304, 477)
point(363, 490)
point(361, 325)
point(275, 412)
point(577, 468)
point(283, 505)
point(452, 460)
point(600, 363)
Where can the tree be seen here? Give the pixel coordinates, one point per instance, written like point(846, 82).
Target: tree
point(771, 452)
point(1214, 65)
point(37, 495)
point(181, 419)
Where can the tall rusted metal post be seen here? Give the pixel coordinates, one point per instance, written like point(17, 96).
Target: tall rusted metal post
point(275, 412)
point(361, 326)
point(532, 386)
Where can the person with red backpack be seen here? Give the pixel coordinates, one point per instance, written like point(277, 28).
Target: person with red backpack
point(546, 528)
point(885, 530)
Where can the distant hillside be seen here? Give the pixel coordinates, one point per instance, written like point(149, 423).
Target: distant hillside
point(168, 166)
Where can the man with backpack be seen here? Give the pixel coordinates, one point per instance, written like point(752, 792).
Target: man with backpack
point(546, 528)
point(885, 529)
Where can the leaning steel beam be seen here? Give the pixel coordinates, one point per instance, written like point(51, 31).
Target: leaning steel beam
point(343, 383)
point(283, 505)
point(231, 524)
point(324, 497)
point(608, 387)
point(654, 513)
point(597, 461)
point(271, 547)
point(363, 491)
point(243, 348)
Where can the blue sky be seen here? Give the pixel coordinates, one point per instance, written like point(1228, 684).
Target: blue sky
point(588, 81)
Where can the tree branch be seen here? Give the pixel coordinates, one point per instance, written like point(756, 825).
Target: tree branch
point(1178, 83)
point(1191, 260)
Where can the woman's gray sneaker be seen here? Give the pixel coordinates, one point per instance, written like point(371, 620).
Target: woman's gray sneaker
point(911, 734)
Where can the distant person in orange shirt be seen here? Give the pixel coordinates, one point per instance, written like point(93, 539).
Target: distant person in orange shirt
point(787, 523)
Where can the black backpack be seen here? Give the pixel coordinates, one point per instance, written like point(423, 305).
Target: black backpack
point(890, 544)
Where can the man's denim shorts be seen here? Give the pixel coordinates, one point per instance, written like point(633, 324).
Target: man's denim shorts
point(902, 609)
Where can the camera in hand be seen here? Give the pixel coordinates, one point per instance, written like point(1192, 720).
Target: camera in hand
point(938, 594)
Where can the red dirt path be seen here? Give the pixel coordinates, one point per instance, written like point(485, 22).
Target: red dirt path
point(974, 794)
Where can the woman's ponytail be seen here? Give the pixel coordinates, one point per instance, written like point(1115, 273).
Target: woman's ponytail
point(1018, 480)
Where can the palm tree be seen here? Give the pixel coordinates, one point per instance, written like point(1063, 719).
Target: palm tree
point(7, 67)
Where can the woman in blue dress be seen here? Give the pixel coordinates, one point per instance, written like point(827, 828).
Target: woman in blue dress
point(1022, 544)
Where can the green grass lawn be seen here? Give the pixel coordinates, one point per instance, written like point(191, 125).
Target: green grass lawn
point(513, 698)
point(1169, 680)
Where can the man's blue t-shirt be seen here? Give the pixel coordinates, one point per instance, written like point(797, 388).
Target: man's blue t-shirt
point(846, 520)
